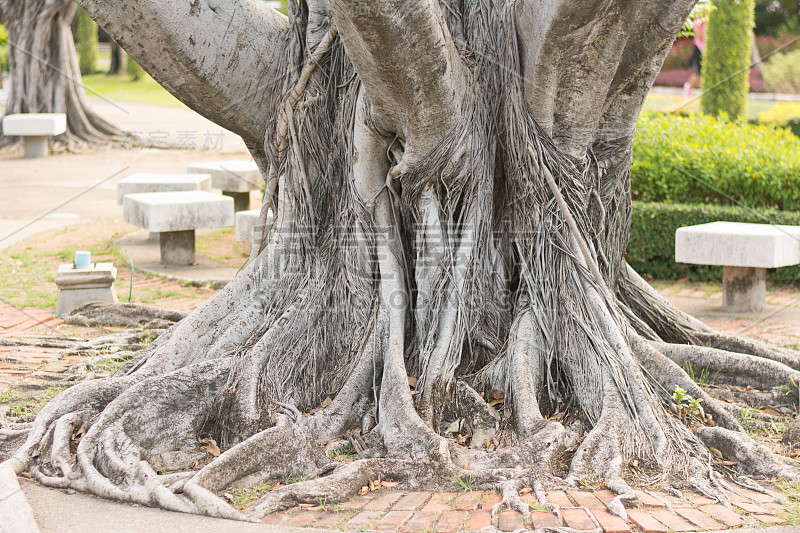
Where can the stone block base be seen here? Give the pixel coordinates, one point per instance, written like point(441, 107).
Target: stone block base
point(35, 146)
point(241, 200)
point(744, 289)
point(71, 299)
point(177, 248)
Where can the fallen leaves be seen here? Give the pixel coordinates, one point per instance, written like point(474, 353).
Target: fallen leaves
point(210, 446)
point(377, 484)
point(769, 410)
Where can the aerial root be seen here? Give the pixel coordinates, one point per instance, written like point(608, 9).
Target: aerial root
point(705, 480)
point(511, 500)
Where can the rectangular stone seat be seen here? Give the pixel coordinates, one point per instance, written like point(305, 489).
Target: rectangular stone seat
point(176, 215)
point(744, 251)
point(139, 183)
point(246, 223)
point(234, 178)
point(35, 128)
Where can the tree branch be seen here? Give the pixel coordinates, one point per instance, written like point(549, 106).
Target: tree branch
point(406, 60)
point(219, 57)
point(590, 64)
point(655, 30)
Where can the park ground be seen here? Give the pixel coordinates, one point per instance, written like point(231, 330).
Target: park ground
point(51, 208)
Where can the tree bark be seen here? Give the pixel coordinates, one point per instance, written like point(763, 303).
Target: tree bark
point(45, 77)
point(452, 204)
point(118, 57)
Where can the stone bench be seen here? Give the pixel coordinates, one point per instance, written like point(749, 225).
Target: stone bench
point(744, 251)
point(246, 224)
point(234, 178)
point(139, 183)
point(175, 216)
point(35, 128)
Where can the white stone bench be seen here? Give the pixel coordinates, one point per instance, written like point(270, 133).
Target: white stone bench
point(246, 224)
point(744, 251)
point(139, 183)
point(175, 216)
point(234, 178)
point(35, 128)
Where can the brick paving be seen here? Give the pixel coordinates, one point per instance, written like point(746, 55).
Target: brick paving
point(23, 363)
point(414, 512)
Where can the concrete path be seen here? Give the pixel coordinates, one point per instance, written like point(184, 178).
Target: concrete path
point(59, 511)
point(34, 187)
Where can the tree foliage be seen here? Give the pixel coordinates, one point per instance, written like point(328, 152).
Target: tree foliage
point(726, 65)
point(86, 35)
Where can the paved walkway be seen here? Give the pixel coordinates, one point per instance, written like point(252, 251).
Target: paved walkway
point(413, 512)
point(174, 137)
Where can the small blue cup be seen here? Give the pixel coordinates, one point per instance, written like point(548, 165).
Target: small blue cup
point(83, 259)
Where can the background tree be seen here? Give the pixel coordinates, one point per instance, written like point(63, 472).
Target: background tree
point(726, 65)
point(45, 76)
point(86, 36)
point(118, 59)
point(450, 183)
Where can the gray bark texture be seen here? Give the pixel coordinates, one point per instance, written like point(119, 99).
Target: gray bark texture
point(45, 78)
point(443, 289)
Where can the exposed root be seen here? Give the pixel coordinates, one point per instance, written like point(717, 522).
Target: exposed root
point(752, 459)
point(511, 500)
point(126, 315)
point(733, 369)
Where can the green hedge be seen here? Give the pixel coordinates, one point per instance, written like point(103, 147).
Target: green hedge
point(651, 250)
point(726, 61)
point(703, 160)
point(781, 72)
point(783, 115)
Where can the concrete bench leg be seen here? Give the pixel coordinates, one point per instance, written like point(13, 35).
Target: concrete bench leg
point(744, 289)
point(35, 146)
point(241, 200)
point(177, 248)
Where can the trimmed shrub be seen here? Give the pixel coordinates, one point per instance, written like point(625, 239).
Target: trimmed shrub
point(651, 250)
point(727, 58)
point(703, 160)
point(86, 35)
point(782, 115)
point(782, 72)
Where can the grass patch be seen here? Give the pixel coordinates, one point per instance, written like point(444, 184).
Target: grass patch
point(791, 493)
point(344, 455)
point(145, 90)
point(28, 268)
point(220, 245)
point(667, 103)
point(20, 404)
point(243, 497)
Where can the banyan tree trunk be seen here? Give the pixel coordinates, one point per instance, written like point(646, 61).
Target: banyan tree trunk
point(44, 73)
point(443, 287)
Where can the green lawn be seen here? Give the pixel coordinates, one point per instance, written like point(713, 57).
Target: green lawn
point(122, 89)
point(669, 102)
